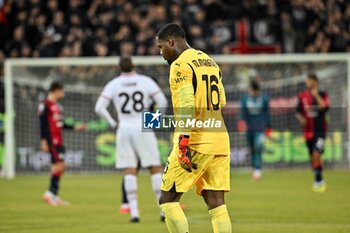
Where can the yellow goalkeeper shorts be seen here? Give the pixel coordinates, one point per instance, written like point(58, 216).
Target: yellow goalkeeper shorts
point(213, 173)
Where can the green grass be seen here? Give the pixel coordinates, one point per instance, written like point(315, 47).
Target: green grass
point(281, 203)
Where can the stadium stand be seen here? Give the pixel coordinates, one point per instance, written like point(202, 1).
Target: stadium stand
point(36, 28)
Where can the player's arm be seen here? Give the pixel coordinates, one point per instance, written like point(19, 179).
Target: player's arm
point(300, 118)
point(186, 109)
point(186, 106)
point(101, 110)
point(74, 126)
point(158, 96)
point(222, 92)
point(102, 104)
point(319, 100)
point(322, 101)
point(185, 93)
point(299, 112)
point(44, 127)
point(68, 124)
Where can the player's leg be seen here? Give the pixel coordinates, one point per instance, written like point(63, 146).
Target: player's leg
point(317, 165)
point(258, 140)
point(316, 162)
point(252, 150)
point(124, 208)
point(175, 218)
point(217, 210)
point(127, 160)
point(250, 142)
point(175, 182)
point(61, 170)
point(51, 194)
point(212, 185)
point(57, 170)
point(147, 149)
point(156, 180)
point(131, 193)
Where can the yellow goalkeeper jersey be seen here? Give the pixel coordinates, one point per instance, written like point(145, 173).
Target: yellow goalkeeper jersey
point(195, 74)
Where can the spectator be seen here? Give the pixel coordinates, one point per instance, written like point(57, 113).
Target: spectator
point(101, 50)
point(107, 27)
point(18, 40)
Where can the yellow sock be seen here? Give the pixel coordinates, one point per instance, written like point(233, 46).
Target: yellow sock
point(174, 217)
point(220, 220)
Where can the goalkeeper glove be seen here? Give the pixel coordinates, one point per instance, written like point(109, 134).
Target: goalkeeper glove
point(241, 126)
point(185, 154)
point(268, 132)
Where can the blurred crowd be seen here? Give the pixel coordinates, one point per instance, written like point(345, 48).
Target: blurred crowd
point(72, 28)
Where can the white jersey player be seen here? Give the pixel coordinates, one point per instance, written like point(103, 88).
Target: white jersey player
point(132, 94)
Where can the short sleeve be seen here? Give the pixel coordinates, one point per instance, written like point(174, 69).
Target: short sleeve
point(181, 75)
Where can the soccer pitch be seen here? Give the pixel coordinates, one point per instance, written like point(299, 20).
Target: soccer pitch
point(281, 202)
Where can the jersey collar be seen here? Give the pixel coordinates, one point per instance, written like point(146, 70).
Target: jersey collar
point(128, 74)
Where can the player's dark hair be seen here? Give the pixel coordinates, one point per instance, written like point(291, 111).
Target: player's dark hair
point(312, 77)
point(254, 85)
point(126, 64)
point(171, 30)
point(55, 86)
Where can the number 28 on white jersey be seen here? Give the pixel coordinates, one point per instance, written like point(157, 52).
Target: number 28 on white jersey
point(132, 94)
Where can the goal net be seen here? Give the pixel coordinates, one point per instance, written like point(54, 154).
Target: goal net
point(282, 77)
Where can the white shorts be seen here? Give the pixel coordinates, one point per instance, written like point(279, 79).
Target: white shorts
point(134, 146)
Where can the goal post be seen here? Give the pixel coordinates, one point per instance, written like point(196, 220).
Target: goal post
point(348, 115)
point(282, 76)
point(8, 163)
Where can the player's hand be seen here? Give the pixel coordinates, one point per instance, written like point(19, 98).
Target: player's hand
point(314, 92)
point(80, 127)
point(241, 126)
point(184, 157)
point(44, 146)
point(268, 132)
point(301, 119)
point(114, 126)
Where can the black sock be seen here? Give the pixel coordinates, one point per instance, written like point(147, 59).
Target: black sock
point(54, 184)
point(124, 200)
point(318, 174)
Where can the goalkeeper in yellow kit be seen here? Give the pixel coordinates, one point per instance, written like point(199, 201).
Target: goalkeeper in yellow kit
point(201, 151)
